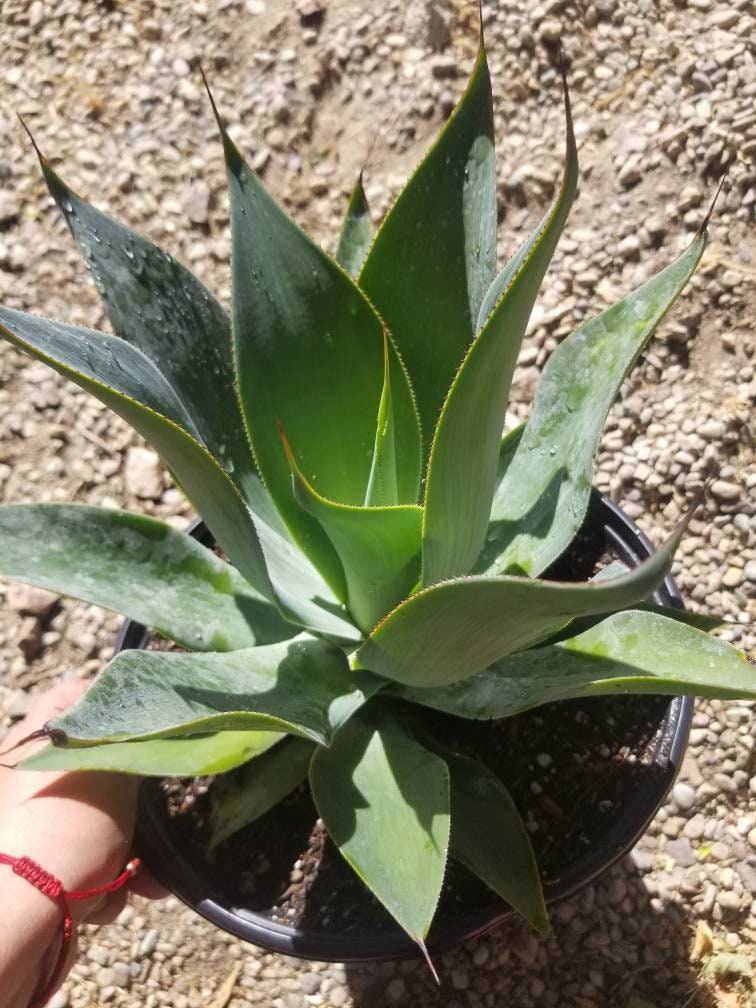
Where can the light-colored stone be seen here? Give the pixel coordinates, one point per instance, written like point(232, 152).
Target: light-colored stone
point(684, 796)
point(682, 852)
point(143, 473)
point(725, 491)
point(694, 827)
point(197, 206)
point(30, 600)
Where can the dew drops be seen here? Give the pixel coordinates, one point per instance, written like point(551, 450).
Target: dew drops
point(66, 205)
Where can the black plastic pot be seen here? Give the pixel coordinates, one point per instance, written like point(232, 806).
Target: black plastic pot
point(604, 522)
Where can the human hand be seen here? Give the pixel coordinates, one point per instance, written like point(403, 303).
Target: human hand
point(78, 827)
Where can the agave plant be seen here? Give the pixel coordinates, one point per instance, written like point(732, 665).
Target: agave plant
point(341, 437)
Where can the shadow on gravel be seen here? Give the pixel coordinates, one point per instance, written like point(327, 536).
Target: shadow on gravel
point(608, 946)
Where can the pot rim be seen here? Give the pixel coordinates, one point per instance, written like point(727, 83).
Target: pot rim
point(170, 867)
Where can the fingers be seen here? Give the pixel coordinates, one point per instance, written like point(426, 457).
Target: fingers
point(106, 911)
point(145, 884)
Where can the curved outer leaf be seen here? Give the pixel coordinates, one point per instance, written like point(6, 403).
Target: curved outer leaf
point(701, 621)
point(158, 306)
point(489, 837)
point(238, 800)
point(124, 379)
point(466, 445)
point(384, 800)
point(140, 567)
point(576, 626)
point(455, 629)
point(308, 352)
point(161, 757)
point(542, 497)
point(356, 232)
point(303, 686)
point(379, 547)
point(629, 652)
point(435, 254)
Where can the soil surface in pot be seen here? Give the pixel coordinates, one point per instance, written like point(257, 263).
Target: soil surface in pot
point(570, 767)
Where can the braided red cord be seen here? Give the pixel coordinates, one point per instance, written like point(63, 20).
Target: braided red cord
point(52, 887)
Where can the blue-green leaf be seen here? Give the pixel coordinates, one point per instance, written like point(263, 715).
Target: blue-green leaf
point(310, 347)
point(127, 381)
point(542, 496)
point(629, 652)
point(384, 800)
point(161, 308)
point(466, 446)
point(303, 687)
point(489, 837)
point(356, 232)
point(435, 254)
point(237, 800)
point(139, 567)
point(457, 628)
point(197, 755)
point(379, 547)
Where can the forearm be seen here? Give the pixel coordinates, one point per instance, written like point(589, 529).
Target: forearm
point(31, 922)
point(77, 828)
point(30, 937)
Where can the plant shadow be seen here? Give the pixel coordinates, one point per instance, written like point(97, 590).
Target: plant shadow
point(610, 943)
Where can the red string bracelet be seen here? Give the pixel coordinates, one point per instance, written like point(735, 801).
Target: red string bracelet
point(52, 887)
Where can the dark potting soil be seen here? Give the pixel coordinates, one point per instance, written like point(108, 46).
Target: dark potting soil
point(569, 766)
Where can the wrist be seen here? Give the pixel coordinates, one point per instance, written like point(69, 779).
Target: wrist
point(30, 935)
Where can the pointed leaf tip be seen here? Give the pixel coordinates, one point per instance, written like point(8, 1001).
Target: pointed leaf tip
point(462, 469)
point(426, 955)
point(234, 160)
point(710, 211)
point(565, 85)
point(38, 152)
point(213, 106)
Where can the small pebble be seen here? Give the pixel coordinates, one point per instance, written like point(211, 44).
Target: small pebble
point(684, 796)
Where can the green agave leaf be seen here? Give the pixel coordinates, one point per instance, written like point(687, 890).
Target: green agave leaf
point(158, 306)
point(237, 800)
point(356, 232)
point(123, 378)
point(629, 652)
point(435, 254)
point(303, 687)
point(383, 482)
point(542, 496)
point(466, 446)
point(457, 628)
point(161, 757)
point(489, 837)
point(303, 595)
point(307, 348)
point(701, 621)
point(379, 547)
point(140, 567)
point(384, 800)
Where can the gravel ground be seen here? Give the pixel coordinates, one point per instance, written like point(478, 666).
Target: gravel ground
point(664, 99)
